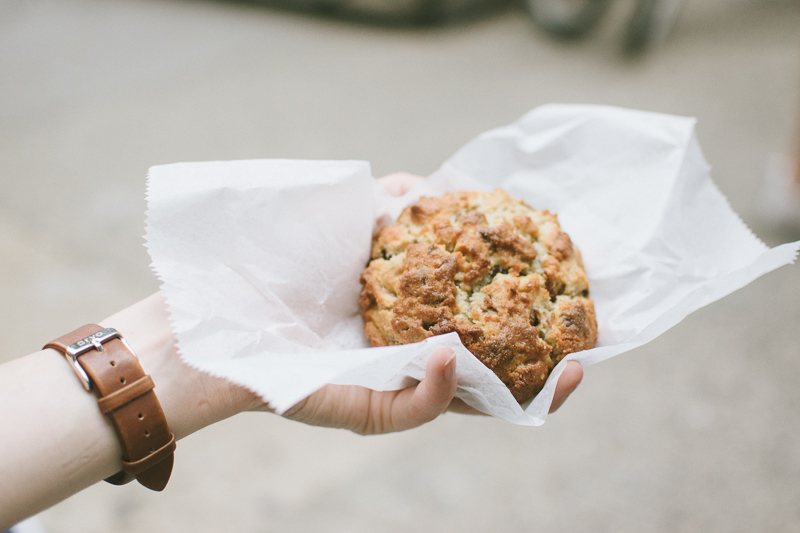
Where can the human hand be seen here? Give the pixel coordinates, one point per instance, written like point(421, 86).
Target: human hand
point(366, 411)
point(370, 412)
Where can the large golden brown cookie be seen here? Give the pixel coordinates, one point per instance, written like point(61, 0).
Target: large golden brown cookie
point(496, 271)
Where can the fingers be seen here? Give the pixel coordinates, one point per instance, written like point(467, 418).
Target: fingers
point(398, 183)
point(568, 381)
point(417, 405)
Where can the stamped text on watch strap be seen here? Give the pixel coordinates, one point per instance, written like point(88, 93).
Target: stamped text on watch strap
point(92, 342)
point(105, 363)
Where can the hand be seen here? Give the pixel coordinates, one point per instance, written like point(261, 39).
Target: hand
point(369, 412)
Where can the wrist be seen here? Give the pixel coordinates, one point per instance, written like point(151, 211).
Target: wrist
point(191, 399)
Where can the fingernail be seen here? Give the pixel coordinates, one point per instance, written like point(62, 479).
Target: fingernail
point(450, 368)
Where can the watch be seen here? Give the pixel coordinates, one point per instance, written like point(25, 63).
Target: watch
point(106, 364)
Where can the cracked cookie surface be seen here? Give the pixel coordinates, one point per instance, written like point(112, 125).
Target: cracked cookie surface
point(496, 271)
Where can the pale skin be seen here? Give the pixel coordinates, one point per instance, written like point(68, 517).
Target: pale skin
point(55, 442)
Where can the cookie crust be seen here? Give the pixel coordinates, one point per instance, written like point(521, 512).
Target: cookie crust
point(493, 269)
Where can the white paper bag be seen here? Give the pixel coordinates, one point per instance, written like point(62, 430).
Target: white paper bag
point(260, 260)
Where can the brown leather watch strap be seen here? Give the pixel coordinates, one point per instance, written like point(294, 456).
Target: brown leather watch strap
point(105, 363)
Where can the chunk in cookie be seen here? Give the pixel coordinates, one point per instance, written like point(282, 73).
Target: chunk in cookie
point(496, 271)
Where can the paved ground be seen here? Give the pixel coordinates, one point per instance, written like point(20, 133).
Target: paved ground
point(699, 431)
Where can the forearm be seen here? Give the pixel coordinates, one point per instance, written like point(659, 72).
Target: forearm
point(55, 442)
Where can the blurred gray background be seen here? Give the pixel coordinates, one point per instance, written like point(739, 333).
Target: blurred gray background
point(698, 431)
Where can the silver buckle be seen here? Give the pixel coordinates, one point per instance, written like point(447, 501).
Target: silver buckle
point(94, 341)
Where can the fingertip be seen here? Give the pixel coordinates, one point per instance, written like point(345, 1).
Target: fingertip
point(568, 381)
point(441, 363)
point(440, 357)
point(574, 375)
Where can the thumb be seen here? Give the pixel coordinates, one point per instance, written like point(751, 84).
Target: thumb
point(417, 405)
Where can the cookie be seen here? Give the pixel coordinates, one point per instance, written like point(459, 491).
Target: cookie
point(494, 270)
